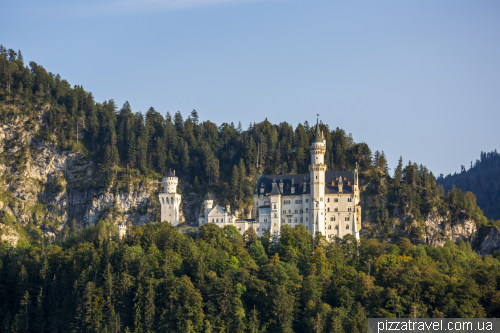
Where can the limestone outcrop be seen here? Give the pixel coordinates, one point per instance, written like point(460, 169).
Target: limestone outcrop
point(45, 187)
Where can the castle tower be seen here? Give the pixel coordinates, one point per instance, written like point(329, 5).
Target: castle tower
point(209, 203)
point(276, 216)
point(317, 170)
point(122, 230)
point(170, 200)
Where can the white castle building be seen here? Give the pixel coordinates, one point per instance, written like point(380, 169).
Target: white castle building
point(322, 201)
point(170, 200)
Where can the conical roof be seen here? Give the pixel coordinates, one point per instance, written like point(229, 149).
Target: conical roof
point(170, 174)
point(319, 135)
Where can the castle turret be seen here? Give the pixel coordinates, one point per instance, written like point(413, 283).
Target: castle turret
point(209, 203)
point(170, 182)
point(122, 230)
point(170, 200)
point(317, 170)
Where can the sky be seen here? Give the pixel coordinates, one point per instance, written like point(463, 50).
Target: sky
point(417, 79)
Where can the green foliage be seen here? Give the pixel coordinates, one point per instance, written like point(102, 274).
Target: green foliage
point(160, 280)
point(483, 179)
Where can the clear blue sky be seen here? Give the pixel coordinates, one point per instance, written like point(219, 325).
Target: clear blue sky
point(419, 79)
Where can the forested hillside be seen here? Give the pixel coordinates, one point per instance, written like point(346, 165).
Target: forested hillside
point(215, 280)
point(121, 150)
point(483, 179)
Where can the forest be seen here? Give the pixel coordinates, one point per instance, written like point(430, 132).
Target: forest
point(216, 280)
point(162, 279)
point(483, 179)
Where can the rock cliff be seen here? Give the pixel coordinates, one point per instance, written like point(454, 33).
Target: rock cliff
point(46, 187)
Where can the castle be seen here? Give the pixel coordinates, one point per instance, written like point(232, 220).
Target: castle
point(322, 201)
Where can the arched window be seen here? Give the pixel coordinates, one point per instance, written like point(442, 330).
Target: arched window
point(331, 219)
point(301, 220)
point(295, 220)
point(336, 209)
point(336, 200)
point(274, 206)
point(167, 201)
point(348, 209)
point(329, 227)
point(217, 220)
point(328, 200)
point(289, 211)
point(328, 209)
point(307, 209)
point(213, 220)
point(347, 226)
point(274, 214)
point(349, 199)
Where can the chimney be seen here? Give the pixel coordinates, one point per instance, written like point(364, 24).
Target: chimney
point(281, 185)
point(174, 172)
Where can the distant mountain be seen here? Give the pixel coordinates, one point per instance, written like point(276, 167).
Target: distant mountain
point(483, 179)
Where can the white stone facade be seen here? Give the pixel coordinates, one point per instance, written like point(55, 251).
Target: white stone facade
point(170, 200)
point(322, 201)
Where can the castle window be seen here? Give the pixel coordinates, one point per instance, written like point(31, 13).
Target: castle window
point(307, 209)
point(289, 220)
point(296, 211)
point(336, 209)
point(348, 183)
point(307, 200)
point(213, 220)
point(347, 218)
point(301, 211)
point(167, 201)
point(349, 199)
point(274, 206)
point(328, 200)
point(275, 215)
point(348, 209)
point(301, 220)
point(316, 176)
point(335, 200)
point(316, 205)
point(331, 219)
point(347, 226)
point(329, 227)
point(307, 219)
point(328, 209)
point(239, 228)
point(217, 220)
point(295, 221)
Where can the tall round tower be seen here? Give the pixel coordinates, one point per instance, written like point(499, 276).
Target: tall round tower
point(170, 200)
point(317, 170)
point(170, 182)
point(209, 202)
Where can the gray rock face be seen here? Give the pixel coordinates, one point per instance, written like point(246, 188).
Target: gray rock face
point(487, 240)
point(437, 231)
point(49, 187)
